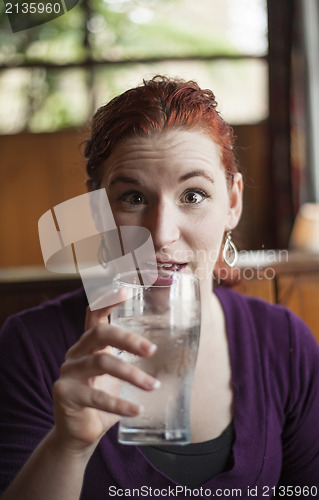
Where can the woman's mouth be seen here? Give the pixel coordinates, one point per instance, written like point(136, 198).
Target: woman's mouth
point(158, 272)
point(170, 266)
point(163, 266)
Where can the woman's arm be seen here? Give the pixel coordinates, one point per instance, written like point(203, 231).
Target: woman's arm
point(300, 436)
point(52, 472)
point(86, 403)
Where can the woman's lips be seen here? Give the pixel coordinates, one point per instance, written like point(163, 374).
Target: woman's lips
point(159, 273)
point(163, 266)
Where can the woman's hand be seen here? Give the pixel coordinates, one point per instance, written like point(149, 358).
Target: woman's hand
point(86, 396)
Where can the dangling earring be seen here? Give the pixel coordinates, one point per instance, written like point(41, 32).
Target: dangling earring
point(230, 253)
point(103, 253)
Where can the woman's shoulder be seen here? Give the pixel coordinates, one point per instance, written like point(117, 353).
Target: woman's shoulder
point(64, 314)
point(270, 321)
point(274, 338)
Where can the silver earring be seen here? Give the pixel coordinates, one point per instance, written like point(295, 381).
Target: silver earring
point(230, 253)
point(103, 254)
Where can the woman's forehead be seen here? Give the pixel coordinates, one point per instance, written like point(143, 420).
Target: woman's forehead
point(164, 159)
point(174, 145)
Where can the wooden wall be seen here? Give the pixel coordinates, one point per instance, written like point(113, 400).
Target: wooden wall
point(256, 228)
point(39, 171)
point(292, 281)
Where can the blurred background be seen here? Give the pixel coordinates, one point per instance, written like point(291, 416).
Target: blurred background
point(260, 58)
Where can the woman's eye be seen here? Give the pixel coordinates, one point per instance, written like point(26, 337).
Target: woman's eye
point(132, 198)
point(194, 197)
point(136, 199)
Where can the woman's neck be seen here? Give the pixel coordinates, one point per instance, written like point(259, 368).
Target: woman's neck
point(212, 314)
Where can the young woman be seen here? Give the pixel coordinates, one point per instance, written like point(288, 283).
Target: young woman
point(165, 158)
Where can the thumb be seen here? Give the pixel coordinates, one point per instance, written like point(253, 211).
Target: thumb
point(97, 312)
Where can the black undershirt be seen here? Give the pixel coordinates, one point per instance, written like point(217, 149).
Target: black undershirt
point(194, 463)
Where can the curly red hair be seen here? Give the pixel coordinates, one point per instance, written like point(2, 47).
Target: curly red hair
point(154, 106)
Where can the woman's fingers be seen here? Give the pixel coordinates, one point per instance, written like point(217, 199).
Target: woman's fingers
point(103, 335)
point(101, 313)
point(91, 364)
point(78, 396)
point(102, 363)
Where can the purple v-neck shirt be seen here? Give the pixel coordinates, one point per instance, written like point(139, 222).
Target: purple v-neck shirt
point(275, 373)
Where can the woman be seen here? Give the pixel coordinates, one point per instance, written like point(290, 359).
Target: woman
point(165, 158)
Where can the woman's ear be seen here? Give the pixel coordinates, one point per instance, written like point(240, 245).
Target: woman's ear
point(89, 185)
point(235, 201)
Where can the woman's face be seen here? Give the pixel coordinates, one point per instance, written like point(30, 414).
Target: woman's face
point(173, 183)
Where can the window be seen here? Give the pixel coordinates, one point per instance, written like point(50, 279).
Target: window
point(55, 75)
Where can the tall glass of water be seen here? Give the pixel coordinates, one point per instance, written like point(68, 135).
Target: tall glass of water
point(166, 310)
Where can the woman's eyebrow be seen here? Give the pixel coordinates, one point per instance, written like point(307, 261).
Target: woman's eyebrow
point(195, 173)
point(124, 178)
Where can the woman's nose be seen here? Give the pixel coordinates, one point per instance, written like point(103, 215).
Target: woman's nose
point(163, 223)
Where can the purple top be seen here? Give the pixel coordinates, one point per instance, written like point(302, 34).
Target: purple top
point(275, 368)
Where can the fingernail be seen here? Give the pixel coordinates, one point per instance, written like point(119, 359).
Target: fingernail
point(148, 348)
point(152, 348)
point(157, 384)
point(152, 383)
point(133, 412)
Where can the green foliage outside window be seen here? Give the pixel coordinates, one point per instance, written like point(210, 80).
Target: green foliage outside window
point(54, 75)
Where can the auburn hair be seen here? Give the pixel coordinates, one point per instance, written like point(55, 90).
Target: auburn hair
point(156, 105)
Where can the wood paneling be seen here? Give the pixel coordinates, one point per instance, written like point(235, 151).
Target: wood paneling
point(39, 171)
point(20, 295)
point(300, 292)
point(293, 283)
point(256, 287)
point(255, 230)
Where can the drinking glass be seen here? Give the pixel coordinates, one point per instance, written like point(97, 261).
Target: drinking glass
point(166, 310)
